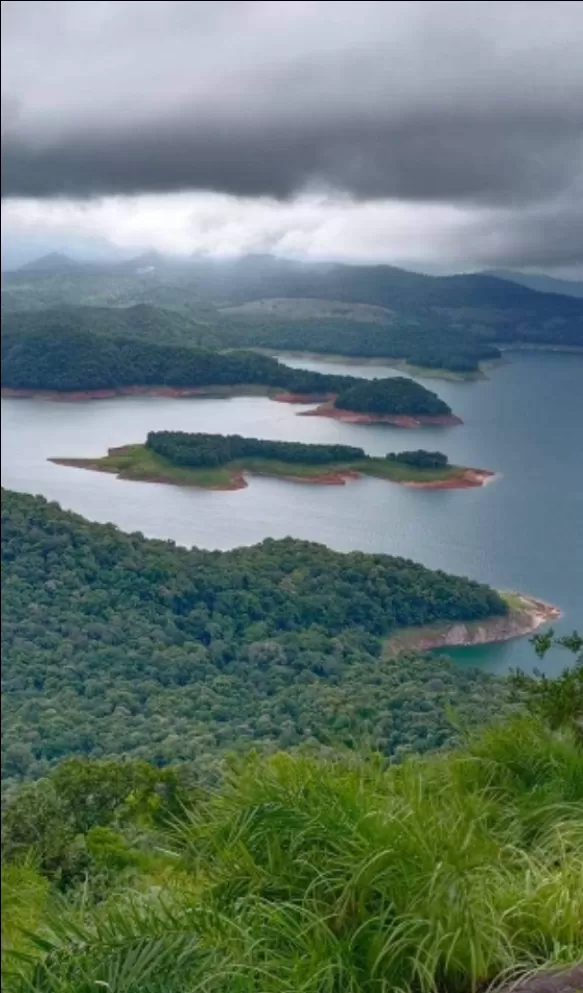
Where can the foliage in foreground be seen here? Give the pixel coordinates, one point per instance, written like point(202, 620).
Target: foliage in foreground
point(304, 875)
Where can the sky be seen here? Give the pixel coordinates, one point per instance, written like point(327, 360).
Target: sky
point(443, 136)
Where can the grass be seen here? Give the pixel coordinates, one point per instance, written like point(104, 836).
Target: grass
point(140, 463)
point(305, 875)
point(514, 600)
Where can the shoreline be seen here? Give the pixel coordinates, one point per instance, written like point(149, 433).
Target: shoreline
point(401, 365)
point(397, 420)
point(526, 615)
point(235, 475)
point(110, 393)
point(467, 479)
point(324, 400)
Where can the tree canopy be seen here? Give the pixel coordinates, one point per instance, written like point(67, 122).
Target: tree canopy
point(396, 395)
point(190, 449)
point(116, 644)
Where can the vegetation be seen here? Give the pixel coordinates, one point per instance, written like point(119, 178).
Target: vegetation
point(558, 701)
point(418, 345)
point(391, 396)
point(300, 874)
point(209, 450)
point(196, 450)
point(54, 359)
point(218, 461)
point(57, 359)
point(114, 644)
point(149, 324)
point(420, 459)
point(450, 323)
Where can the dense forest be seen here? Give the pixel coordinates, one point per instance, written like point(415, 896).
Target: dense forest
point(195, 449)
point(53, 359)
point(184, 448)
point(158, 325)
point(396, 395)
point(420, 458)
point(476, 309)
point(411, 342)
point(431, 346)
point(116, 644)
point(450, 323)
point(320, 873)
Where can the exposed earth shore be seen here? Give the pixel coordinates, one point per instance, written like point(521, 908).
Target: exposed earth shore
point(136, 462)
point(74, 396)
point(328, 409)
point(526, 614)
point(325, 401)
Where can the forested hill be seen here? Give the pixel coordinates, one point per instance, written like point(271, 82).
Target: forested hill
point(451, 322)
point(255, 277)
point(66, 359)
point(63, 359)
point(154, 324)
point(116, 644)
point(183, 323)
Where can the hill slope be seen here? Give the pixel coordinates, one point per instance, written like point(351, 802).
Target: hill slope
point(475, 304)
point(117, 644)
point(541, 283)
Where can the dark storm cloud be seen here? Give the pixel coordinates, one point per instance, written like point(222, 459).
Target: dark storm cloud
point(477, 105)
point(438, 101)
point(450, 160)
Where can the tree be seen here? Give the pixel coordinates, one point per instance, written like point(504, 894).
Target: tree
point(558, 701)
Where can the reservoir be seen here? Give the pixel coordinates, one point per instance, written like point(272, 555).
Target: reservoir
point(524, 531)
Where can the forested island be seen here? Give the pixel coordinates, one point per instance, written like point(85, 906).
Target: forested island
point(221, 462)
point(71, 365)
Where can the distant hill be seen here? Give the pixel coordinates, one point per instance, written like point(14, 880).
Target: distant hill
point(480, 309)
point(540, 283)
point(54, 262)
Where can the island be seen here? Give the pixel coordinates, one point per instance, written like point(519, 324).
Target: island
point(396, 400)
point(62, 364)
point(221, 462)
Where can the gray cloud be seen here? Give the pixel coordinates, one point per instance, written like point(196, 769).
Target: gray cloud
point(469, 102)
point(477, 106)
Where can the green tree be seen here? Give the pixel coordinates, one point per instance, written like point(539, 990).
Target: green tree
point(559, 700)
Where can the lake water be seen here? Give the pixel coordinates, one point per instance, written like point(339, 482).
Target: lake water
point(524, 531)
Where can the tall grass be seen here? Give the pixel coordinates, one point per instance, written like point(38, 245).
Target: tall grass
point(303, 875)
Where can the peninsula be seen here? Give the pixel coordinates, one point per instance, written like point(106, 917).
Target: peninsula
point(65, 365)
point(221, 462)
point(397, 400)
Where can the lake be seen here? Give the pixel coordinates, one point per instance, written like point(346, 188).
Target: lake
point(524, 531)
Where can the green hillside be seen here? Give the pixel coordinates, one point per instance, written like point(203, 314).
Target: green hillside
point(115, 644)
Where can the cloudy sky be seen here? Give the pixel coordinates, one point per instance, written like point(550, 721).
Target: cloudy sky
point(439, 135)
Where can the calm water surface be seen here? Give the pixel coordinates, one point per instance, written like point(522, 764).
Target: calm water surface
point(524, 531)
